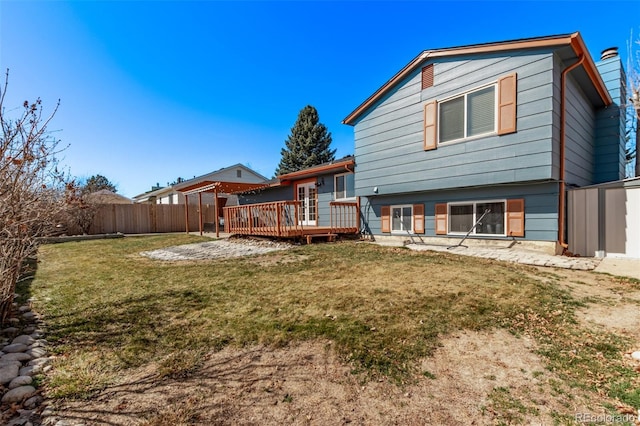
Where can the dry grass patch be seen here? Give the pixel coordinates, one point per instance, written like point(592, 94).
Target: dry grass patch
point(380, 310)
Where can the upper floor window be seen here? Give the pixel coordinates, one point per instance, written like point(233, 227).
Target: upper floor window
point(239, 173)
point(344, 186)
point(488, 110)
point(467, 115)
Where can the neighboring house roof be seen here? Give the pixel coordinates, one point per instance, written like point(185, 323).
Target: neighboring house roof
point(573, 41)
point(145, 196)
point(209, 177)
point(212, 176)
point(344, 164)
point(104, 196)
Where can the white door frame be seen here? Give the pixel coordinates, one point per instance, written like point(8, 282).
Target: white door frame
point(308, 194)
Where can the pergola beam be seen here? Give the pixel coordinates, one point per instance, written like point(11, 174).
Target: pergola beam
point(215, 187)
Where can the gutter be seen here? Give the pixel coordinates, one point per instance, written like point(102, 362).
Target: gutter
point(562, 205)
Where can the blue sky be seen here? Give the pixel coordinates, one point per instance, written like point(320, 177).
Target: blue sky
point(154, 90)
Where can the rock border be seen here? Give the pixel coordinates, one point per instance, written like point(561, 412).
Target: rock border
point(23, 356)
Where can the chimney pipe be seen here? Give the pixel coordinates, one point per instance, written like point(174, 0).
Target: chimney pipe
point(609, 53)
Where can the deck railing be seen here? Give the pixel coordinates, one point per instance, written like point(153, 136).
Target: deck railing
point(274, 219)
point(345, 216)
point(282, 219)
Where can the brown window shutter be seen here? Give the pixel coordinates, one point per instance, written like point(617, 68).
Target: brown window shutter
point(430, 125)
point(507, 104)
point(427, 76)
point(385, 219)
point(441, 219)
point(515, 218)
point(418, 218)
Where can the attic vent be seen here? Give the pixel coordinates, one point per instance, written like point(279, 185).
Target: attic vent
point(609, 53)
point(427, 76)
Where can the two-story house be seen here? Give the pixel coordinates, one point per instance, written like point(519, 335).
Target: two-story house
point(486, 139)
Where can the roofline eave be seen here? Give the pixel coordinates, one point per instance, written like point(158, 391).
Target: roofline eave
point(574, 40)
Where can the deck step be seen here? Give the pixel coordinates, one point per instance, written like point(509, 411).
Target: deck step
point(330, 237)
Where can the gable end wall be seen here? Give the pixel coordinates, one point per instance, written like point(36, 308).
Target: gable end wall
point(389, 138)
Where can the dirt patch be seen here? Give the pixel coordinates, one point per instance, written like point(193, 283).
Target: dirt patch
point(308, 384)
point(611, 303)
point(622, 317)
point(481, 378)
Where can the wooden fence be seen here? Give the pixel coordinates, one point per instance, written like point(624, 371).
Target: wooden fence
point(148, 218)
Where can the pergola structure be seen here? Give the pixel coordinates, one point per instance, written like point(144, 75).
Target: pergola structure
point(215, 187)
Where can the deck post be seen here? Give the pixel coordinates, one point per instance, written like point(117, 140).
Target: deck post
point(357, 215)
point(331, 218)
point(186, 212)
point(250, 218)
point(278, 214)
point(296, 208)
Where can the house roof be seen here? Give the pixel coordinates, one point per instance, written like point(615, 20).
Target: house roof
point(346, 164)
point(153, 193)
point(211, 176)
point(104, 196)
point(573, 40)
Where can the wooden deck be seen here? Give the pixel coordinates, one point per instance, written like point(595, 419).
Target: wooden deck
point(281, 219)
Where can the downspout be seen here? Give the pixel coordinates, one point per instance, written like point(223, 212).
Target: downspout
point(562, 207)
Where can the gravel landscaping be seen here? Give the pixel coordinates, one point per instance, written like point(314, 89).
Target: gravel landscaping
point(235, 247)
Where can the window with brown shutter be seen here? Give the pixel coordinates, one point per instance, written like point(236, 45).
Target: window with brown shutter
point(515, 218)
point(427, 76)
point(385, 219)
point(418, 218)
point(441, 219)
point(507, 104)
point(472, 113)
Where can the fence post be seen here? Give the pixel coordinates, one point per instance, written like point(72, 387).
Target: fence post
point(186, 212)
point(154, 216)
point(114, 220)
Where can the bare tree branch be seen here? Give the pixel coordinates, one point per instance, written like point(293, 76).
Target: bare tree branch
point(31, 189)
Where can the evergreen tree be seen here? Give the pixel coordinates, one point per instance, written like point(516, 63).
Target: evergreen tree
point(307, 145)
point(98, 182)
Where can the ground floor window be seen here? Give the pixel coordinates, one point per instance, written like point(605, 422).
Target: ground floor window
point(463, 217)
point(402, 219)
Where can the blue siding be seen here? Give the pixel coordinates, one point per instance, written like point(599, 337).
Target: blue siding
point(579, 136)
point(610, 125)
point(392, 167)
point(325, 196)
point(541, 207)
point(267, 195)
point(324, 185)
point(389, 137)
